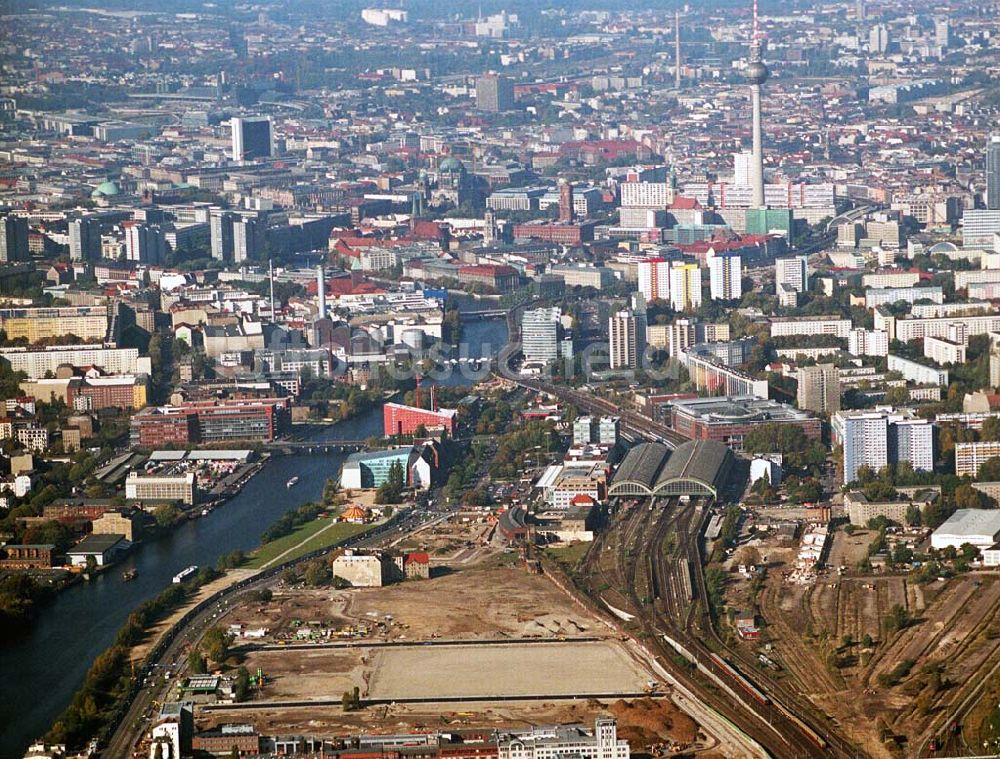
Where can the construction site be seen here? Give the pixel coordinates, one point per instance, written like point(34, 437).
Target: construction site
point(485, 643)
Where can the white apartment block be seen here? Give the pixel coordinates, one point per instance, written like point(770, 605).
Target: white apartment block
point(623, 340)
point(727, 195)
point(984, 290)
point(863, 342)
point(880, 437)
point(890, 279)
point(657, 195)
point(724, 272)
point(792, 272)
point(819, 325)
point(905, 330)
point(880, 296)
point(36, 363)
point(918, 373)
point(864, 438)
point(965, 278)
point(942, 351)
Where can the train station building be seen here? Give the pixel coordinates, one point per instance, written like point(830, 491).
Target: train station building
point(699, 468)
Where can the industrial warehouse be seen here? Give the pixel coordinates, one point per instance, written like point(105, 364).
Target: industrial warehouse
point(695, 468)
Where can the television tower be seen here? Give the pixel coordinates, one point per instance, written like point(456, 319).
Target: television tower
point(677, 50)
point(756, 74)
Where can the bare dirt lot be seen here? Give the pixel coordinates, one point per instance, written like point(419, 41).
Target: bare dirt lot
point(566, 668)
point(493, 599)
point(490, 599)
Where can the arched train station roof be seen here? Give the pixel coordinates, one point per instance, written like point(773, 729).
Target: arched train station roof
point(695, 468)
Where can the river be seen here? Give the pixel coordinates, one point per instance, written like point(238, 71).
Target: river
point(43, 670)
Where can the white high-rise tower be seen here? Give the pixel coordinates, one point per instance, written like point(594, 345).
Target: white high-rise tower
point(757, 74)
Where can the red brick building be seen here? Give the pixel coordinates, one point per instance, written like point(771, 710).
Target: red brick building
point(212, 421)
point(501, 278)
point(222, 740)
point(403, 420)
point(564, 233)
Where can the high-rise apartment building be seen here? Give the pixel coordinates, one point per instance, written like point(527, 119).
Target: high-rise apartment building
point(685, 287)
point(878, 40)
point(13, 239)
point(85, 239)
point(819, 388)
point(864, 438)
point(494, 93)
point(792, 272)
point(221, 229)
point(654, 279)
point(248, 239)
point(252, 138)
point(942, 32)
point(682, 335)
point(880, 437)
point(724, 273)
point(742, 163)
point(993, 173)
point(145, 243)
point(623, 340)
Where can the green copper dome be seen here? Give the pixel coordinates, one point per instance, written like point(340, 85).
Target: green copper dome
point(106, 189)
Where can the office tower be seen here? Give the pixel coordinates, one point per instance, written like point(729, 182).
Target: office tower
point(792, 272)
point(757, 74)
point(494, 93)
point(540, 329)
point(622, 340)
point(878, 40)
point(566, 202)
point(252, 138)
point(248, 239)
point(724, 272)
point(942, 32)
point(85, 239)
point(993, 173)
point(685, 287)
point(864, 437)
point(321, 292)
point(677, 50)
point(859, 10)
point(222, 235)
point(742, 163)
point(145, 243)
point(13, 239)
point(654, 279)
point(819, 388)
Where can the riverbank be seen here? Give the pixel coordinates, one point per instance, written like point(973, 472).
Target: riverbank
point(44, 669)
